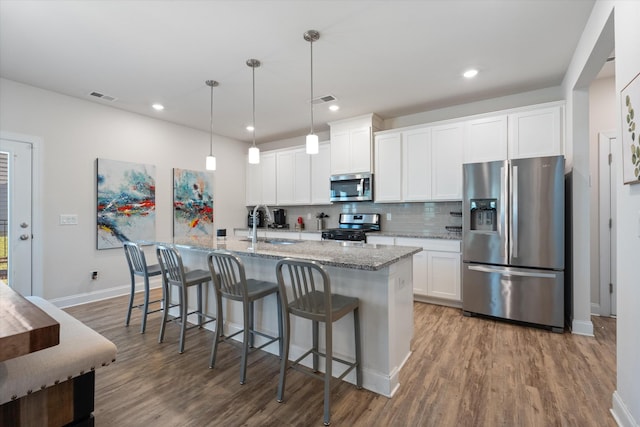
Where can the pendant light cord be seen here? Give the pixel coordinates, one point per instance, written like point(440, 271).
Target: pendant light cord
point(211, 124)
point(253, 69)
point(311, 101)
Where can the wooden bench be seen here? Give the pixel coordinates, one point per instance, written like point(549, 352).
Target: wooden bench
point(55, 386)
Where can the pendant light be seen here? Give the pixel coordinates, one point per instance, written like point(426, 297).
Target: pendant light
point(211, 160)
point(254, 152)
point(312, 139)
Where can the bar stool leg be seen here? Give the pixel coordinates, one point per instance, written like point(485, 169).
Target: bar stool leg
point(145, 308)
point(314, 333)
point(356, 326)
point(131, 294)
point(218, 333)
point(245, 343)
point(250, 330)
point(284, 362)
point(328, 373)
point(184, 303)
point(165, 309)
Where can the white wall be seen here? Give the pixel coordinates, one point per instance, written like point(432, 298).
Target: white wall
point(626, 399)
point(76, 132)
point(602, 118)
point(594, 47)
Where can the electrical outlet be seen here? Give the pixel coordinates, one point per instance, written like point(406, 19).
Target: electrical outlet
point(308, 216)
point(388, 216)
point(68, 219)
point(94, 275)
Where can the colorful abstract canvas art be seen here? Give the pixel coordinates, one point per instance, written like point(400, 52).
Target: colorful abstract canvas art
point(192, 205)
point(126, 203)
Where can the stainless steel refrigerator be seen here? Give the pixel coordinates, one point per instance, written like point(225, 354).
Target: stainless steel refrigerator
point(513, 240)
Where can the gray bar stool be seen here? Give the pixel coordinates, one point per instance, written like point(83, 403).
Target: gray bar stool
point(174, 274)
point(312, 299)
point(138, 267)
point(231, 282)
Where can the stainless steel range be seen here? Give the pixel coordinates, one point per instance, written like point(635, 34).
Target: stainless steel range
point(353, 227)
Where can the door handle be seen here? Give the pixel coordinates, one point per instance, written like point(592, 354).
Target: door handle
point(24, 237)
point(508, 273)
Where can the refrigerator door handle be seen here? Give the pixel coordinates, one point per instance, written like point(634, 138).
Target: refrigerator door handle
point(503, 211)
point(514, 213)
point(507, 273)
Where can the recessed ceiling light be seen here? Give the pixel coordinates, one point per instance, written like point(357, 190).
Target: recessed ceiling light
point(334, 107)
point(470, 73)
point(249, 128)
point(158, 107)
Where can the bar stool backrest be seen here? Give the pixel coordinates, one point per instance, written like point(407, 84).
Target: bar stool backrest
point(171, 264)
point(228, 274)
point(135, 258)
point(310, 285)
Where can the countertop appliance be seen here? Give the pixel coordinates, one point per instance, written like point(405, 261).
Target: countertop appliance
point(260, 219)
point(353, 227)
point(513, 240)
point(279, 219)
point(351, 188)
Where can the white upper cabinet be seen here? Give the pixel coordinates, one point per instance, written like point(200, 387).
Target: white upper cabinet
point(289, 177)
point(261, 181)
point(536, 133)
point(446, 161)
point(293, 177)
point(321, 174)
point(419, 164)
point(351, 144)
point(416, 161)
point(485, 139)
point(388, 172)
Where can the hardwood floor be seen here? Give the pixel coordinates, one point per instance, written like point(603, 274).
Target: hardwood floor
point(463, 372)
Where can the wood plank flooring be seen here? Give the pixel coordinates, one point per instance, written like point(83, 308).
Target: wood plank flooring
point(463, 372)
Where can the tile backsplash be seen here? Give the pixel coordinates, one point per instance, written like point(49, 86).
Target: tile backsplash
point(405, 217)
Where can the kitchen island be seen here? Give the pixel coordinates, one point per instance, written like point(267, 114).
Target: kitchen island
point(379, 275)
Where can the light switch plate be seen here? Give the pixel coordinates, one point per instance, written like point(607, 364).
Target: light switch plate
point(388, 216)
point(68, 219)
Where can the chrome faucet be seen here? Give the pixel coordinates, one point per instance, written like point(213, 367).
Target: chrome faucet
point(254, 215)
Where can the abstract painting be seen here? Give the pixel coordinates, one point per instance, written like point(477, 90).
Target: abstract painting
point(126, 203)
point(630, 97)
point(192, 205)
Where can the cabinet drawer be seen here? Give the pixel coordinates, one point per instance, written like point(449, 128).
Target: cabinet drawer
point(441, 245)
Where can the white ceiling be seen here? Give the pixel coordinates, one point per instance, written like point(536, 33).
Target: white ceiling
point(389, 57)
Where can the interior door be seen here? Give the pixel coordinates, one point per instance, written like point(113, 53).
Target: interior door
point(18, 178)
point(607, 192)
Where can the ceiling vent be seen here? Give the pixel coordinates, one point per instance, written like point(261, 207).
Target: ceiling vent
point(323, 99)
point(103, 96)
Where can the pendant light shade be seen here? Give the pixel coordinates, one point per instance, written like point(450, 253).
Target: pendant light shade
point(312, 139)
point(312, 144)
point(211, 160)
point(254, 152)
point(254, 155)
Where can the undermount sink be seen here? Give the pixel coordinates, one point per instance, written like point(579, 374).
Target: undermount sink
point(282, 242)
point(274, 241)
point(358, 244)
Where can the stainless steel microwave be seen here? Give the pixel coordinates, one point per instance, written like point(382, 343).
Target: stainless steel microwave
point(352, 188)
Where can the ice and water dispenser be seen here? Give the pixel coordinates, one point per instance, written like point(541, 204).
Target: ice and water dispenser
point(484, 215)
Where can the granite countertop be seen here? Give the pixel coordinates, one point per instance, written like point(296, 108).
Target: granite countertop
point(333, 253)
point(448, 235)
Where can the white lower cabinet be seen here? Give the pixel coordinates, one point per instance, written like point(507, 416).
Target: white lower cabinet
point(436, 270)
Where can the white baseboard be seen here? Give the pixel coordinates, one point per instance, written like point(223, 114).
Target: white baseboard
point(582, 327)
point(595, 309)
point(621, 413)
point(102, 294)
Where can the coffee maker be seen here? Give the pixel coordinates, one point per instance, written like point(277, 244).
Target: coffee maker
point(279, 219)
point(259, 219)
